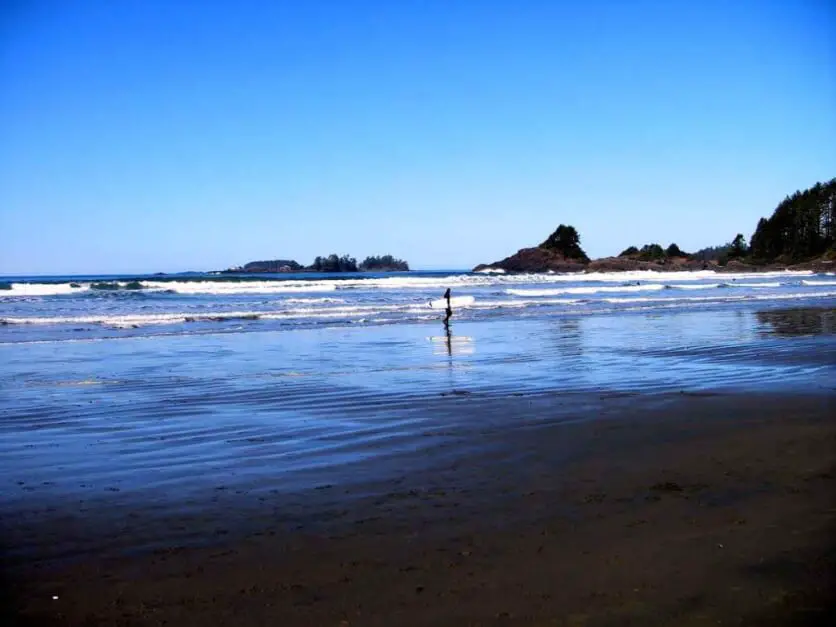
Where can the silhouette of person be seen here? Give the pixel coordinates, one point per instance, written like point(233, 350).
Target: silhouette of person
point(447, 314)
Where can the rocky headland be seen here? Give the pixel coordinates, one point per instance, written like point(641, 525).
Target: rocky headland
point(800, 235)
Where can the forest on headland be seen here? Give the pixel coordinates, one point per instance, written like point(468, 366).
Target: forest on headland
point(799, 231)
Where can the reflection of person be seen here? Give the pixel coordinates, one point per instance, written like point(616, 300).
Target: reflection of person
point(449, 336)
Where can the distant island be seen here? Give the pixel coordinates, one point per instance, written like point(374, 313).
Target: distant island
point(801, 233)
point(274, 265)
point(385, 263)
point(330, 263)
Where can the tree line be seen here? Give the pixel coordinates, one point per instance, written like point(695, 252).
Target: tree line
point(346, 263)
point(328, 263)
point(653, 252)
point(801, 227)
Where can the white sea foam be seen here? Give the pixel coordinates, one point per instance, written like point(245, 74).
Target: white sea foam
point(681, 299)
point(240, 287)
point(736, 284)
point(519, 303)
point(718, 298)
point(367, 311)
point(139, 320)
point(43, 289)
point(310, 301)
point(401, 282)
point(385, 311)
point(699, 286)
point(131, 320)
point(652, 287)
point(264, 286)
point(818, 282)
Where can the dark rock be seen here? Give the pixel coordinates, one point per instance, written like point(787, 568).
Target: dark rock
point(630, 263)
point(536, 260)
point(561, 252)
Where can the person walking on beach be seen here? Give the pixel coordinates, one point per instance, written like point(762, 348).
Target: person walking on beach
point(449, 311)
point(447, 314)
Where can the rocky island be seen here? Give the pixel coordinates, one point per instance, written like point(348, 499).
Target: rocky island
point(800, 234)
point(561, 252)
point(273, 265)
point(329, 263)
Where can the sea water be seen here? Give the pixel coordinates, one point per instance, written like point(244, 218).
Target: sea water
point(167, 392)
point(59, 309)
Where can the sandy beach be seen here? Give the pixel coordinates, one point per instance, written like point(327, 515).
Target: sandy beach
point(418, 314)
point(674, 509)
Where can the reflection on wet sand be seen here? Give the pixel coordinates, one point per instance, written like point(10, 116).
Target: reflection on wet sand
point(569, 337)
point(795, 322)
point(450, 344)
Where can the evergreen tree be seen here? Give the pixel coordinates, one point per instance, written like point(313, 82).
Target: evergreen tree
point(384, 262)
point(712, 253)
point(801, 227)
point(566, 241)
point(651, 252)
point(334, 263)
point(738, 248)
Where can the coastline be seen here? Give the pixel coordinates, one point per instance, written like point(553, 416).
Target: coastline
point(684, 509)
point(573, 470)
point(607, 265)
point(649, 268)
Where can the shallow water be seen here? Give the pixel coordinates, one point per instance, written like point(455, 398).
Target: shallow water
point(168, 392)
point(169, 418)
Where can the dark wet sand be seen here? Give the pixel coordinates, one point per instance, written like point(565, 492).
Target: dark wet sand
point(686, 510)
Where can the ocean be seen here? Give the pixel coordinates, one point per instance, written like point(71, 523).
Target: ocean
point(58, 309)
point(168, 391)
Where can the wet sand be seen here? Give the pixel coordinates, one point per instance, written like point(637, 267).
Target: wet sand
point(609, 509)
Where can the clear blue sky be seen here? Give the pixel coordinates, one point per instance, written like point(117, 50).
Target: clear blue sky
point(153, 135)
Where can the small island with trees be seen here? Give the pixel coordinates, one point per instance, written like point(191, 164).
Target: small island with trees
point(800, 234)
point(329, 263)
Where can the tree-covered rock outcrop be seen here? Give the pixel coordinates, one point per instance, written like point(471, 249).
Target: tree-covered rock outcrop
point(383, 263)
point(272, 265)
point(329, 263)
point(566, 241)
point(334, 263)
point(653, 253)
point(561, 252)
point(712, 253)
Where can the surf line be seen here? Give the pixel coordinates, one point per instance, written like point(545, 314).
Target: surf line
point(447, 302)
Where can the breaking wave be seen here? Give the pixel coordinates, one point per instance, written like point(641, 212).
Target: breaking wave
point(818, 282)
point(648, 279)
point(373, 312)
